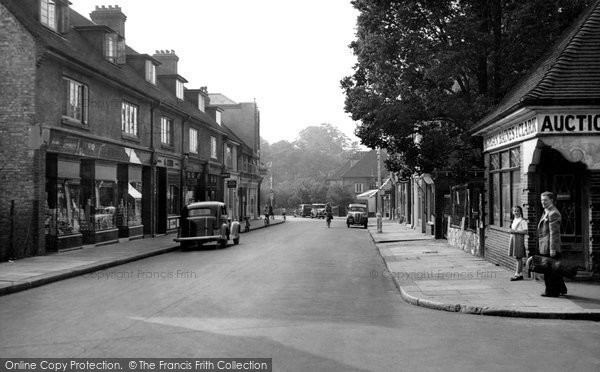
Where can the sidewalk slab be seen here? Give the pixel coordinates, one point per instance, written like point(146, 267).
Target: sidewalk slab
point(433, 274)
point(36, 271)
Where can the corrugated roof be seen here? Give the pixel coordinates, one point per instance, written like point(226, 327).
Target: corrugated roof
point(568, 73)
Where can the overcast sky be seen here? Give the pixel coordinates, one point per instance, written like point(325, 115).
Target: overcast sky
point(289, 55)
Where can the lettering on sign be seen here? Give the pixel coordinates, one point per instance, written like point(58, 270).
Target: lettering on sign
point(570, 123)
point(511, 134)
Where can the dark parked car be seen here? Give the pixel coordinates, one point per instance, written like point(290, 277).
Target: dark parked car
point(304, 210)
point(203, 222)
point(357, 215)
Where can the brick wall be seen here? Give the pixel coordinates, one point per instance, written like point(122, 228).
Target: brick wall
point(19, 176)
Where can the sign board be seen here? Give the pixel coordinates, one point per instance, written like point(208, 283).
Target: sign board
point(232, 184)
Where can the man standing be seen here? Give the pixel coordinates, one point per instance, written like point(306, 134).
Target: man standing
point(549, 243)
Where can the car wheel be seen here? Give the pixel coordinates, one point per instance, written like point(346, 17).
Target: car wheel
point(236, 241)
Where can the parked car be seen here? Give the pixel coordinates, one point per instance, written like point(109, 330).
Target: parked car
point(317, 211)
point(304, 210)
point(357, 215)
point(203, 222)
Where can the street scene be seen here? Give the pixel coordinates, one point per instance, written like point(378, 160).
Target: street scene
point(334, 185)
point(310, 303)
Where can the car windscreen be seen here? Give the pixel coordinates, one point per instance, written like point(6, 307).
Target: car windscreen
point(357, 209)
point(200, 212)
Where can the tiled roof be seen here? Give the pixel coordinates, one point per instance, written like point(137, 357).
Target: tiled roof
point(367, 166)
point(74, 47)
point(220, 99)
point(569, 73)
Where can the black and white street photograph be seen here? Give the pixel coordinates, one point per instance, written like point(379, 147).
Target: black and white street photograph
point(279, 185)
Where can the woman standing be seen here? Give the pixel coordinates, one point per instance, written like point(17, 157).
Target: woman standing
point(516, 249)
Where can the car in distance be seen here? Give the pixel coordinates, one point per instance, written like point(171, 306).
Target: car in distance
point(317, 211)
point(203, 222)
point(304, 210)
point(357, 215)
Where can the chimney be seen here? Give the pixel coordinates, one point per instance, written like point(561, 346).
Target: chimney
point(111, 17)
point(168, 60)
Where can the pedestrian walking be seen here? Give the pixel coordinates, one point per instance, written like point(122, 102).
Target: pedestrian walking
point(549, 244)
point(516, 247)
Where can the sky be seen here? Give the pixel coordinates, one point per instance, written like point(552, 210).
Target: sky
point(288, 55)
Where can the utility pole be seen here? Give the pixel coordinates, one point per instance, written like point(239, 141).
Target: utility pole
point(379, 197)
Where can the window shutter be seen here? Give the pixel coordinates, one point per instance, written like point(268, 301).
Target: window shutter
point(86, 104)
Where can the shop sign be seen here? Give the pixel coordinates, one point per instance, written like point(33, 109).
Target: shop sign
point(570, 123)
point(231, 184)
point(513, 133)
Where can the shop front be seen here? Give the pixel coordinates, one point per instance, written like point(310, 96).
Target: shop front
point(168, 182)
point(549, 149)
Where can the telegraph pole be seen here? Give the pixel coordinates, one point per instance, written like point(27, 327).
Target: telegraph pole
point(379, 197)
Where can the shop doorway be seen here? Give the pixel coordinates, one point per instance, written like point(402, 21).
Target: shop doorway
point(568, 181)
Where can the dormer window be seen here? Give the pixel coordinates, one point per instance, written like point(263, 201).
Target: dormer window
point(54, 15)
point(179, 89)
point(218, 117)
point(48, 14)
point(201, 104)
point(114, 49)
point(150, 72)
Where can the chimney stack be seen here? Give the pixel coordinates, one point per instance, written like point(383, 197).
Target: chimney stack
point(168, 60)
point(111, 17)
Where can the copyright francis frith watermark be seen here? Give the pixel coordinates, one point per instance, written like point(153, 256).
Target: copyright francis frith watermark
point(433, 275)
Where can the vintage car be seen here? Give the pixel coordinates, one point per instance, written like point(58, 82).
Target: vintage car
point(317, 211)
point(357, 215)
point(304, 210)
point(203, 222)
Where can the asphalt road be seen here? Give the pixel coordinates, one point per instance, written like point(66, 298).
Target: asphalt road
point(299, 293)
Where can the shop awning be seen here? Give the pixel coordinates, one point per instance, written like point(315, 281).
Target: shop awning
point(367, 194)
point(134, 193)
point(387, 184)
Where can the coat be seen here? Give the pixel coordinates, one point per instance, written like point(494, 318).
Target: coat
point(549, 232)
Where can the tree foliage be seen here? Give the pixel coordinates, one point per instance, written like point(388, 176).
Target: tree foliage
point(300, 168)
point(427, 70)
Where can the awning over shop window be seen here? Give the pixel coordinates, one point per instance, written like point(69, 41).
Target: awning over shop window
point(367, 194)
point(386, 185)
point(134, 193)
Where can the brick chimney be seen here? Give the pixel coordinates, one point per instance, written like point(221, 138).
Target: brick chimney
point(168, 60)
point(111, 17)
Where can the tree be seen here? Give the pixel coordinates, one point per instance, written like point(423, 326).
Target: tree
point(427, 70)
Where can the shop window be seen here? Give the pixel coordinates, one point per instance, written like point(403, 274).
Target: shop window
point(465, 205)
point(505, 189)
point(129, 119)
point(173, 200)
point(130, 208)
point(63, 214)
point(77, 101)
point(106, 195)
point(166, 131)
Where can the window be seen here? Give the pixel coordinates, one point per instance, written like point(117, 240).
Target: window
point(505, 177)
point(194, 140)
point(77, 101)
point(179, 91)
point(229, 157)
point(150, 72)
point(201, 103)
point(166, 131)
point(218, 117)
point(48, 14)
point(358, 188)
point(114, 49)
point(129, 119)
point(213, 147)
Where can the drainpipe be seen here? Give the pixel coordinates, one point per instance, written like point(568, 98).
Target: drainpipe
point(153, 162)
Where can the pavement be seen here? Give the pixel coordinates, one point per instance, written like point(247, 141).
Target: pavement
point(427, 272)
point(30, 272)
point(433, 274)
